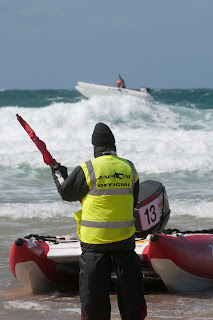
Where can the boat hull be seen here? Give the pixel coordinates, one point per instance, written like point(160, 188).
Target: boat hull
point(182, 262)
point(90, 89)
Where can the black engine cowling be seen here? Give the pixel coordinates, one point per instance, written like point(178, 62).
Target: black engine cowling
point(152, 211)
point(145, 89)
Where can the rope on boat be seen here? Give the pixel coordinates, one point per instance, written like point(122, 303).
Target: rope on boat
point(175, 231)
point(57, 239)
point(53, 239)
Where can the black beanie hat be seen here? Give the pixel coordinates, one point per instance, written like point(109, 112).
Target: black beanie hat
point(102, 135)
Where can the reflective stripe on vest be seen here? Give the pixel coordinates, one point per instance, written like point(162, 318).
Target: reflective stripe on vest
point(101, 192)
point(106, 225)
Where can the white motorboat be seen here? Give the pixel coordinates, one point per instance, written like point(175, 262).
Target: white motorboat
point(91, 89)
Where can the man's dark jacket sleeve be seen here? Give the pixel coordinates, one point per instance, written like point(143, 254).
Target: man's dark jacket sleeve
point(73, 187)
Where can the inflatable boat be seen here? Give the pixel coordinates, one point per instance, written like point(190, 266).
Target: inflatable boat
point(183, 261)
point(91, 89)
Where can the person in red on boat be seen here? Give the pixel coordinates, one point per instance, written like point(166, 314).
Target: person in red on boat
point(108, 188)
point(120, 83)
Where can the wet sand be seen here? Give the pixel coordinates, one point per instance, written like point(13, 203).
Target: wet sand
point(17, 303)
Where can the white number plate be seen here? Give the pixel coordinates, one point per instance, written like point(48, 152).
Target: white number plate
point(151, 213)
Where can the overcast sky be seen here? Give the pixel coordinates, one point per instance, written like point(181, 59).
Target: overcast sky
point(52, 44)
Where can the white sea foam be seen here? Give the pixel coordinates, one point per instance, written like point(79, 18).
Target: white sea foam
point(27, 305)
point(157, 138)
point(57, 209)
point(42, 307)
point(200, 209)
point(165, 141)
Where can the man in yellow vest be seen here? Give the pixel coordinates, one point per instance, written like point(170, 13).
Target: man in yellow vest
point(108, 188)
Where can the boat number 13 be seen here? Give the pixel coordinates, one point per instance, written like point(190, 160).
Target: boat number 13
point(151, 214)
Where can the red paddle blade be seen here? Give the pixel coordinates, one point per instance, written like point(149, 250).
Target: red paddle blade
point(48, 159)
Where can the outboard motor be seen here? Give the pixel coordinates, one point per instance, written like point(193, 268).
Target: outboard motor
point(152, 211)
point(145, 89)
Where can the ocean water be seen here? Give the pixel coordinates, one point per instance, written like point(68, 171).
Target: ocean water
point(169, 139)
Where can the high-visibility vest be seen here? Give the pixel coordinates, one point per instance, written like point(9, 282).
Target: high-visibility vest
point(107, 209)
